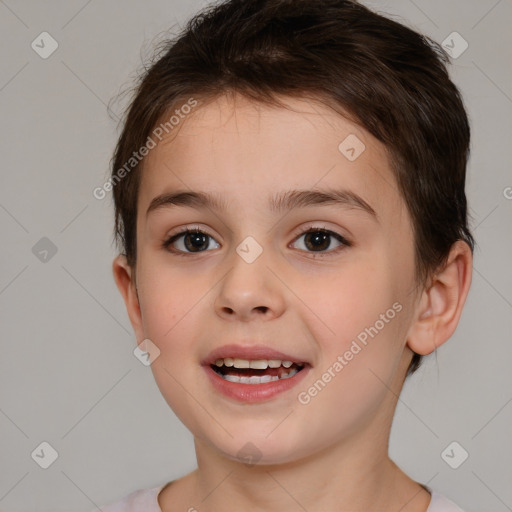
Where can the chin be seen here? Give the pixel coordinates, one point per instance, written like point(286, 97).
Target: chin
point(252, 446)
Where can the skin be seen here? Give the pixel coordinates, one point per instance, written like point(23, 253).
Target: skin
point(332, 453)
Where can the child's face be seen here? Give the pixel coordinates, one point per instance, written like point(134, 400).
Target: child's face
point(305, 296)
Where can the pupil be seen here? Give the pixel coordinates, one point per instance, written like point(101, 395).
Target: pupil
point(195, 241)
point(318, 237)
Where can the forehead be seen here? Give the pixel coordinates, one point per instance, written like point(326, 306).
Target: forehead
point(247, 151)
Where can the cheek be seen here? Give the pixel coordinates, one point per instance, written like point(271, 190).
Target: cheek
point(359, 323)
point(355, 374)
point(169, 299)
point(173, 307)
point(174, 311)
point(346, 301)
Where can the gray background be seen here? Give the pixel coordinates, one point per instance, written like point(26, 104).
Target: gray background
point(68, 375)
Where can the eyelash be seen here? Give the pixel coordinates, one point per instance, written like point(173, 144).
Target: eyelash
point(313, 229)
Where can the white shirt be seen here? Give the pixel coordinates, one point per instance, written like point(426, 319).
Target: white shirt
point(146, 500)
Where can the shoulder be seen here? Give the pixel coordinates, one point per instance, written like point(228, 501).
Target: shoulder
point(142, 500)
point(440, 503)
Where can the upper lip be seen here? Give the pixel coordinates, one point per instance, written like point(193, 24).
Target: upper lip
point(250, 353)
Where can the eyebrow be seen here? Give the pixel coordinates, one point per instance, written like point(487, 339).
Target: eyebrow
point(277, 203)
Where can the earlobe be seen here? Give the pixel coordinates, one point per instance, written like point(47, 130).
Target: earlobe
point(441, 304)
point(125, 281)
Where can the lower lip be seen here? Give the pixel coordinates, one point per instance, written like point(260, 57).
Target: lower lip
point(254, 392)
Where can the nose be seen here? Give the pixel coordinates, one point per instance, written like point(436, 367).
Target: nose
point(250, 291)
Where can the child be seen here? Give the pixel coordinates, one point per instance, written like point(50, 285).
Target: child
point(289, 195)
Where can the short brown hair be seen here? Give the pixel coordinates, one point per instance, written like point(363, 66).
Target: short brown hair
point(388, 78)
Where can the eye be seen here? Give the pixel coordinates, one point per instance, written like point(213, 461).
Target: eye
point(316, 240)
point(189, 241)
point(320, 239)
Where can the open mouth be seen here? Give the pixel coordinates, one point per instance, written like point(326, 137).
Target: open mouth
point(255, 371)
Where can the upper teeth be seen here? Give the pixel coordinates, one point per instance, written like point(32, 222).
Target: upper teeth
point(257, 364)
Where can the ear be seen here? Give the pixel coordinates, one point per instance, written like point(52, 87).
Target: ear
point(441, 304)
point(124, 277)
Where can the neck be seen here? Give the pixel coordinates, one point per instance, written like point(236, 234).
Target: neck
point(352, 475)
